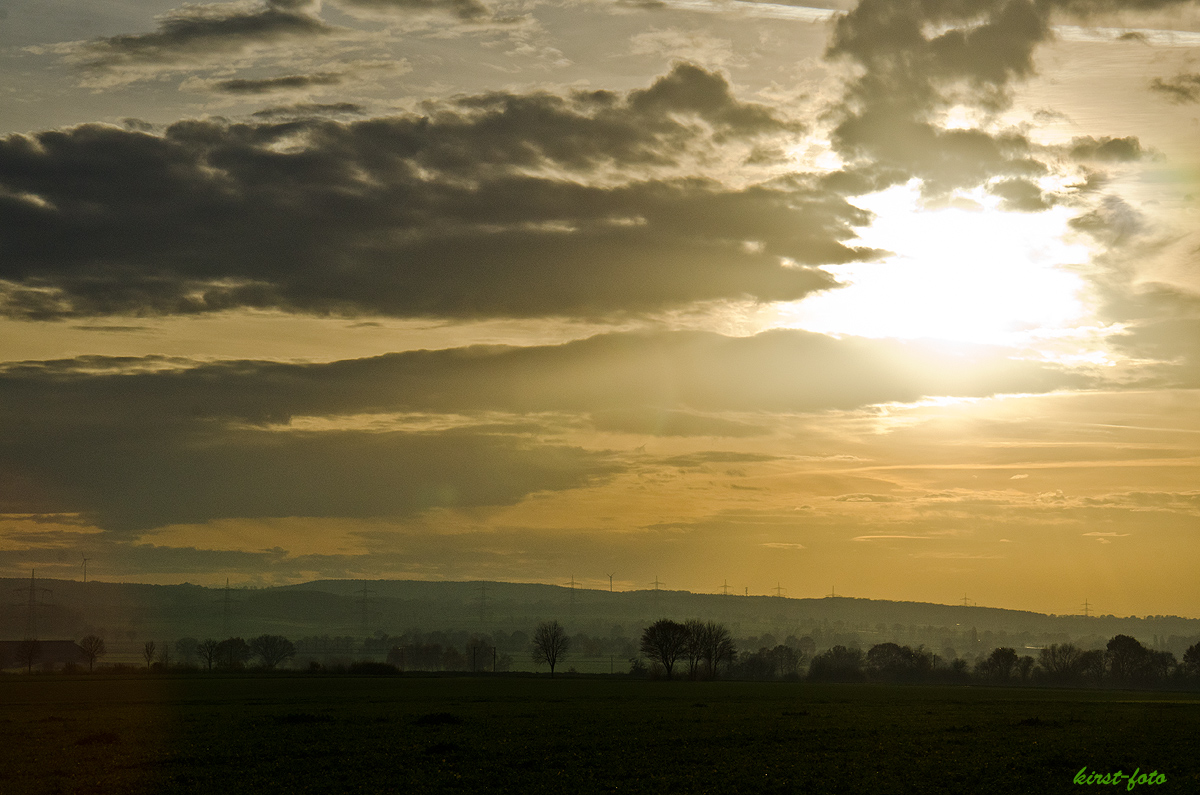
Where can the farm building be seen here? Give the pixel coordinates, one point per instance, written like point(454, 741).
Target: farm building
point(47, 654)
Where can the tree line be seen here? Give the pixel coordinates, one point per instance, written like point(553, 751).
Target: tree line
point(268, 651)
point(696, 649)
point(1124, 662)
point(691, 649)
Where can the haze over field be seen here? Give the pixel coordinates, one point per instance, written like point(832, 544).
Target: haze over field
point(900, 298)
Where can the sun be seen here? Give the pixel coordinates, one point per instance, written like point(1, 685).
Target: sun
point(973, 273)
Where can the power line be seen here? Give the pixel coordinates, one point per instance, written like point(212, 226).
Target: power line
point(366, 603)
point(33, 604)
point(227, 602)
point(572, 585)
point(483, 613)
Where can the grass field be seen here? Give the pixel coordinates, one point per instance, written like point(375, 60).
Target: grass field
point(332, 734)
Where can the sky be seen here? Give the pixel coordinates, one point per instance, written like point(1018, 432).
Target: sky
point(895, 300)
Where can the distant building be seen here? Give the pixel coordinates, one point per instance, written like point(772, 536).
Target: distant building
point(51, 654)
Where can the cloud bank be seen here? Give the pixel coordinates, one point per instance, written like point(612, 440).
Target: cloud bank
point(487, 206)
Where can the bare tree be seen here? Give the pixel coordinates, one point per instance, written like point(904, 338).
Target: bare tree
point(664, 641)
point(550, 643)
point(1063, 662)
point(272, 649)
point(716, 647)
point(208, 652)
point(693, 649)
point(93, 649)
point(148, 653)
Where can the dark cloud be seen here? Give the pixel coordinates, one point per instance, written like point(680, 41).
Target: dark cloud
point(612, 376)
point(204, 30)
point(1107, 149)
point(919, 58)
point(463, 212)
point(305, 110)
point(268, 85)
point(1020, 195)
point(143, 443)
point(1182, 88)
point(1161, 324)
point(110, 328)
point(129, 479)
point(1094, 9)
point(1113, 222)
point(467, 10)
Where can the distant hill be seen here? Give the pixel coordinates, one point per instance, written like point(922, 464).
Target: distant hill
point(125, 612)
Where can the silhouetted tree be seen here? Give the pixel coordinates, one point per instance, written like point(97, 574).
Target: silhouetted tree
point(999, 665)
point(664, 641)
point(550, 644)
point(960, 671)
point(272, 649)
point(1161, 665)
point(29, 651)
point(1128, 660)
point(838, 664)
point(693, 647)
point(208, 652)
point(1063, 662)
point(93, 649)
point(187, 648)
point(716, 647)
point(148, 653)
point(1191, 660)
point(232, 653)
point(755, 665)
point(780, 662)
point(1091, 665)
point(890, 662)
point(1024, 667)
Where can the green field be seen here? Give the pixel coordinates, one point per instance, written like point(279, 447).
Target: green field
point(329, 734)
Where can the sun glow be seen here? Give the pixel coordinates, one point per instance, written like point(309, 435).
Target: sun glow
point(965, 274)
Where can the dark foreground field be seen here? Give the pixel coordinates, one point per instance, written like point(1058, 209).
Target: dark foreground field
point(330, 734)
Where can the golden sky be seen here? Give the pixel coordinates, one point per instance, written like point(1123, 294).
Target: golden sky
point(896, 298)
